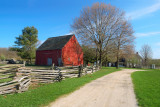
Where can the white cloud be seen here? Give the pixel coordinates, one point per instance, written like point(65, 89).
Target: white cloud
point(146, 34)
point(145, 11)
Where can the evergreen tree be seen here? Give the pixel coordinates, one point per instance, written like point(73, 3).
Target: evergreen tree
point(26, 43)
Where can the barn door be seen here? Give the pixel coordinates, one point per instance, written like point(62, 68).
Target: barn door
point(59, 61)
point(49, 61)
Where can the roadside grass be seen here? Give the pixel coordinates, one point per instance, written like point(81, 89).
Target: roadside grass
point(45, 94)
point(147, 87)
point(134, 68)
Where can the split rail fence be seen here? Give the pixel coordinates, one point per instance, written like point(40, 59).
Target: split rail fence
point(10, 83)
point(22, 77)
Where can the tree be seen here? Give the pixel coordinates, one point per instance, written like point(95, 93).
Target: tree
point(98, 24)
point(128, 53)
point(156, 62)
point(2, 57)
point(9, 54)
point(146, 54)
point(124, 37)
point(109, 54)
point(26, 43)
point(89, 54)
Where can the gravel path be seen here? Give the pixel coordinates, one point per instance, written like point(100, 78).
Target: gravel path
point(112, 90)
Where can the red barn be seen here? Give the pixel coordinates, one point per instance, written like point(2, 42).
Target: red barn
point(62, 50)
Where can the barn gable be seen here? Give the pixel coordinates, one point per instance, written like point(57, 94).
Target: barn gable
point(55, 43)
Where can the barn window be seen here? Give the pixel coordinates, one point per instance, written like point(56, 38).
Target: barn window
point(68, 59)
point(79, 59)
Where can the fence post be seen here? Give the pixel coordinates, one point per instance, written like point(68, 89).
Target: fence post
point(92, 69)
point(24, 63)
point(52, 66)
point(97, 68)
point(59, 78)
point(79, 71)
point(18, 88)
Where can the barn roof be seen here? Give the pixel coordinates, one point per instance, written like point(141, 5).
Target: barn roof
point(55, 43)
point(138, 56)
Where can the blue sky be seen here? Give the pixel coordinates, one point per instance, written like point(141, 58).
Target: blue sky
point(54, 17)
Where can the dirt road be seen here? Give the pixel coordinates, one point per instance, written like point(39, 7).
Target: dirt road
point(112, 90)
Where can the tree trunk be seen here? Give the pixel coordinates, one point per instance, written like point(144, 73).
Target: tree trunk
point(96, 57)
point(117, 66)
point(30, 60)
point(100, 57)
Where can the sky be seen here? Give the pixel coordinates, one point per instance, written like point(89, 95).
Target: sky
point(54, 17)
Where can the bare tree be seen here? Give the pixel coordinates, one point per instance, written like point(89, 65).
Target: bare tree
point(98, 24)
point(109, 53)
point(8, 54)
point(146, 54)
point(128, 52)
point(124, 37)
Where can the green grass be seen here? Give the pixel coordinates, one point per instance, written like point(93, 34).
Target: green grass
point(9, 77)
point(6, 80)
point(135, 68)
point(147, 88)
point(49, 92)
point(2, 64)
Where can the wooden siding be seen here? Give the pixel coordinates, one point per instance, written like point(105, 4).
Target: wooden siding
point(42, 56)
point(72, 53)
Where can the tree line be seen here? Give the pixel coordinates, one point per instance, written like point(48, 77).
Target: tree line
point(6, 53)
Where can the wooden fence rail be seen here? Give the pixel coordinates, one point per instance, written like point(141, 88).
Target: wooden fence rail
point(17, 85)
point(50, 76)
point(43, 76)
point(10, 83)
point(24, 77)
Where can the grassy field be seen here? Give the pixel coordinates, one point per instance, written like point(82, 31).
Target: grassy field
point(45, 94)
point(147, 88)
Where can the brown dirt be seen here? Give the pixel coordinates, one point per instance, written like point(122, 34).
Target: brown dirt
point(112, 90)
